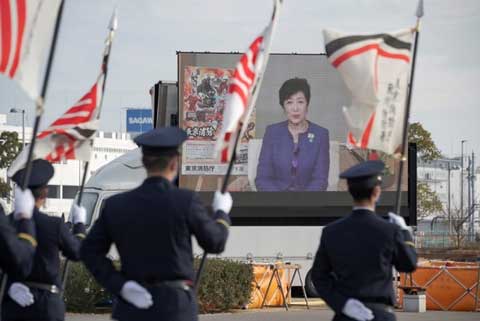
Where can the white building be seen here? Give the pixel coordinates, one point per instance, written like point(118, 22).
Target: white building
point(64, 185)
point(442, 175)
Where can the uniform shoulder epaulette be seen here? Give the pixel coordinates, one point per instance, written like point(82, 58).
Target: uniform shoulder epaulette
point(223, 222)
point(27, 237)
point(410, 243)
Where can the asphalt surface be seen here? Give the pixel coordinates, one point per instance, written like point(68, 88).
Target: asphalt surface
point(301, 314)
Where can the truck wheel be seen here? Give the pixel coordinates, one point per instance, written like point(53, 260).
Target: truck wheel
point(309, 287)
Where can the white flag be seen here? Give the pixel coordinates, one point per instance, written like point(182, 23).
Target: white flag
point(375, 68)
point(26, 29)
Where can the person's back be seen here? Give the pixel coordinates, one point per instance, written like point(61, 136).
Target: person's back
point(362, 261)
point(54, 237)
point(352, 270)
point(151, 227)
point(43, 283)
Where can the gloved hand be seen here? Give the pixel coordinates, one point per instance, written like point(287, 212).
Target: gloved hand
point(24, 204)
point(357, 310)
point(78, 214)
point(137, 295)
point(222, 202)
point(398, 220)
point(21, 294)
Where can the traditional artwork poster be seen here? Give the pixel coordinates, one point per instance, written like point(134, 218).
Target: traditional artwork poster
point(204, 98)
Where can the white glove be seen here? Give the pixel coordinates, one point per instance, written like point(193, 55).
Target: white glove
point(398, 220)
point(357, 310)
point(24, 204)
point(78, 214)
point(222, 202)
point(137, 295)
point(20, 294)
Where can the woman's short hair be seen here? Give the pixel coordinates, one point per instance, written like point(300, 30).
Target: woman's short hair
point(293, 86)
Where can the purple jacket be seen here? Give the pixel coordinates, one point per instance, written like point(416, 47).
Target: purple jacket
point(276, 170)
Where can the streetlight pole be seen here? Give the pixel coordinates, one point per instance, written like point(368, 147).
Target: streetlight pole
point(22, 111)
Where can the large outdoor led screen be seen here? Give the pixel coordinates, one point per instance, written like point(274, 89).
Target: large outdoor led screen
point(296, 136)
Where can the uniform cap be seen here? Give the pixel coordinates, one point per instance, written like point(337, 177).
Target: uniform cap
point(159, 140)
point(42, 172)
point(366, 174)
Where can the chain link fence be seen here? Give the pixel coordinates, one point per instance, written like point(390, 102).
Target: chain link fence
point(443, 240)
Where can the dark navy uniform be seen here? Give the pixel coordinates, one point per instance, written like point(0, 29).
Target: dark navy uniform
point(355, 260)
point(17, 246)
point(44, 282)
point(151, 227)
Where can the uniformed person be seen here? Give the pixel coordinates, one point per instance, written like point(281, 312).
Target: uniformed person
point(37, 296)
point(18, 243)
point(151, 227)
point(352, 270)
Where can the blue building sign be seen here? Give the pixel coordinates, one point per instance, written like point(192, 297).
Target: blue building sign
point(139, 120)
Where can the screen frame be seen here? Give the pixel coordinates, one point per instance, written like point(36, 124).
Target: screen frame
point(306, 208)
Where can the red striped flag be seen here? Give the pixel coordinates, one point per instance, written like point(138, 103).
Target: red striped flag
point(26, 28)
point(375, 68)
point(243, 87)
point(71, 135)
point(239, 92)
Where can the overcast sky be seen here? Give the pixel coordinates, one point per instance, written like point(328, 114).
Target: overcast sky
point(447, 82)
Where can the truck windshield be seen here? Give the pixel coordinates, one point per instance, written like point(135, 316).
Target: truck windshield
point(88, 201)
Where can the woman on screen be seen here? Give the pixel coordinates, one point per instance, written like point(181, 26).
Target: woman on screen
point(295, 152)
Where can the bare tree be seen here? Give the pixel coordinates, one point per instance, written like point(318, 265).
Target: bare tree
point(457, 226)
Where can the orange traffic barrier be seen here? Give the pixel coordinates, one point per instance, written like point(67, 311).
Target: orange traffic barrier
point(449, 286)
point(263, 275)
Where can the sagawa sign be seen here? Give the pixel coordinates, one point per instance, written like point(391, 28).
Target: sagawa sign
point(139, 120)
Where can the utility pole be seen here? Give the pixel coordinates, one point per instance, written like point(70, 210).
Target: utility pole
point(474, 205)
point(469, 198)
point(461, 183)
point(449, 168)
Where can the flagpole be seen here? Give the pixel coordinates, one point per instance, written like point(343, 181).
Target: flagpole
point(106, 56)
point(242, 127)
point(79, 202)
point(41, 100)
point(403, 159)
point(39, 111)
point(223, 190)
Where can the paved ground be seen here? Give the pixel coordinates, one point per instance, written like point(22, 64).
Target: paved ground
point(301, 314)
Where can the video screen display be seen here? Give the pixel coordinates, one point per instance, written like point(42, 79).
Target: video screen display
point(296, 136)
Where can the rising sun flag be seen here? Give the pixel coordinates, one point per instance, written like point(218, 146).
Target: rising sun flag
point(244, 87)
